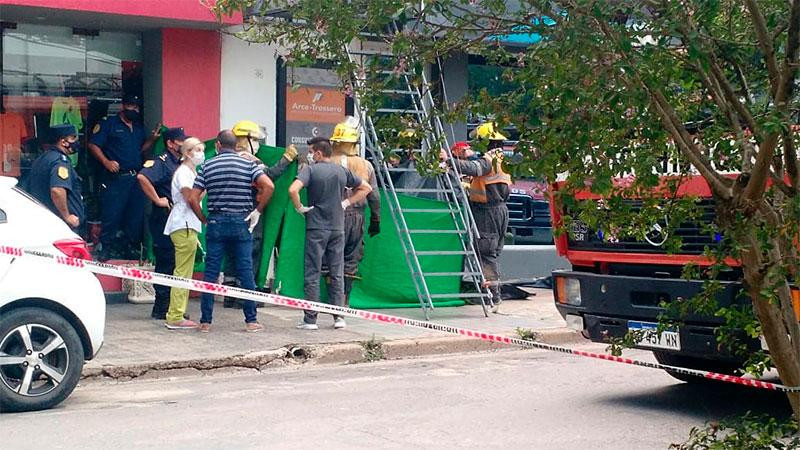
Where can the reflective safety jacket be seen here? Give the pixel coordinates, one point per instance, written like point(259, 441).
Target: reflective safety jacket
point(490, 184)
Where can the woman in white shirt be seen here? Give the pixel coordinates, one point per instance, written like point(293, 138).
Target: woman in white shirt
point(182, 228)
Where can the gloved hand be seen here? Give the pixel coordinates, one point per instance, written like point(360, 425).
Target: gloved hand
point(374, 228)
point(253, 219)
point(304, 209)
point(345, 203)
point(290, 153)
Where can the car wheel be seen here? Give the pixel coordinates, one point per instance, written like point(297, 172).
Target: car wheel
point(671, 359)
point(41, 359)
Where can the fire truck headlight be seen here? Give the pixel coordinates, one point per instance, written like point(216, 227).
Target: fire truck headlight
point(569, 291)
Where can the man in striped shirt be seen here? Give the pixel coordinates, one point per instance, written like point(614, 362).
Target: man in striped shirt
point(228, 180)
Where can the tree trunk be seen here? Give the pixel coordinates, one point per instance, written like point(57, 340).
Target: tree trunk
point(771, 315)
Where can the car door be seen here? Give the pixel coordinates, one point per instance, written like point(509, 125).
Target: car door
point(5, 260)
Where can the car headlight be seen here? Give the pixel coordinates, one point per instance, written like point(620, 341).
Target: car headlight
point(569, 291)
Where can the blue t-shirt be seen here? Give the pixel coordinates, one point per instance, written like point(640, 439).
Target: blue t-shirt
point(119, 142)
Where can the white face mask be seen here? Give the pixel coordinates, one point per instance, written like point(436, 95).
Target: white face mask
point(310, 157)
point(198, 158)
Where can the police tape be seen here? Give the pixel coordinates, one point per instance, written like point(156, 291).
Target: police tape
point(130, 273)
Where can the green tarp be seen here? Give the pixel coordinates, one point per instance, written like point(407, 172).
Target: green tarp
point(385, 280)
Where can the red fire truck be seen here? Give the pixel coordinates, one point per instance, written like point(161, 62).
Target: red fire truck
point(620, 285)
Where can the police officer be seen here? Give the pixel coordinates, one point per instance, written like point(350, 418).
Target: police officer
point(119, 144)
point(53, 180)
point(155, 180)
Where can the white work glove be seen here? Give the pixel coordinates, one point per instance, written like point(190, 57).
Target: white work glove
point(345, 203)
point(253, 219)
point(304, 209)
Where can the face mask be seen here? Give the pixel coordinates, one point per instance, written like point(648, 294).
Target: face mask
point(131, 115)
point(310, 158)
point(198, 158)
point(72, 147)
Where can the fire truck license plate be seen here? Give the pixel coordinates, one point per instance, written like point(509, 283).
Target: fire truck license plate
point(669, 339)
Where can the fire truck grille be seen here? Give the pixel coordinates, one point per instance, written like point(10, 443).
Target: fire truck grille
point(695, 237)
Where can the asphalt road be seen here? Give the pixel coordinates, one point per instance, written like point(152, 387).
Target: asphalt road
point(508, 399)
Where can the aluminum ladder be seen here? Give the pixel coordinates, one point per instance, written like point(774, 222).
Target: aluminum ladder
point(448, 187)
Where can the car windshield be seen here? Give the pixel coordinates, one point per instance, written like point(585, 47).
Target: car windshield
point(28, 196)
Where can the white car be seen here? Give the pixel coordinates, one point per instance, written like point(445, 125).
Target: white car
point(52, 317)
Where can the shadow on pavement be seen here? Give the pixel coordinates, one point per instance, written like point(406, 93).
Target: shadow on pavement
point(705, 400)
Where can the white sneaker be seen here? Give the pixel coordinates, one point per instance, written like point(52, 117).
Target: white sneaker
point(339, 323)
point(307, 326)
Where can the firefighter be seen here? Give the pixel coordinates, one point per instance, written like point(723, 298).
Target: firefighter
point(344, 140)
point(488, 193)
point(248, 140)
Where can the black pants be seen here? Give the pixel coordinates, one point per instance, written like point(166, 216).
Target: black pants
point(492, 223)
point(164, 253)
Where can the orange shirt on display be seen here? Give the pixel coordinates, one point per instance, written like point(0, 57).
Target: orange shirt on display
point(12, 132)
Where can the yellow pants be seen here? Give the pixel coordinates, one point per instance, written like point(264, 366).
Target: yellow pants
point(185, 242)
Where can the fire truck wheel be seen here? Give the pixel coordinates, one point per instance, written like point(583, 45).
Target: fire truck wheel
point(689, 362)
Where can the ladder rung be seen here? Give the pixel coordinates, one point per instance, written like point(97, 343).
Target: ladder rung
point(437, 191)
point(400, 111)
point(370, 53)
point(428, 211)
point(460, 295)
point(397, 91)
point(392, 72)
point(441, 252)
point(398, 151)
point(450, 274)
point(437, 231)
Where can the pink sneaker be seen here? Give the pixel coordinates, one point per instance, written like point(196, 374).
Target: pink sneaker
point(253, 327)
point(181, 325)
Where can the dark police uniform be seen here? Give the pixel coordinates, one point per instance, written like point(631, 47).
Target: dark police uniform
point(159, 172)
point(54, 169)
point(121, 198)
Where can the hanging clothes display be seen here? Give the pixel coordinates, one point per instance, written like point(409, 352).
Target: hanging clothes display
point(12, 133)
point(66, 110)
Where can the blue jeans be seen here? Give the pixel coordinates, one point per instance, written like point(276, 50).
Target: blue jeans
point(228, 233)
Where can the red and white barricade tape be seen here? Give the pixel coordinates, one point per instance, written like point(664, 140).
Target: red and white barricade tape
point(261, 297)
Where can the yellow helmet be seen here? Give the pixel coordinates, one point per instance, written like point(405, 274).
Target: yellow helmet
point(487, 131)
point(346, 131)
point(408, 133)
point(247, 128)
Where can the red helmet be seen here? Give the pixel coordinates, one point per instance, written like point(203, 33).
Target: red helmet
point(459, 148)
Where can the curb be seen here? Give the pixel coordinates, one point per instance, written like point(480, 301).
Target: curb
point(317, 354)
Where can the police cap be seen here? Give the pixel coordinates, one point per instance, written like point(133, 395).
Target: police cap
point(131, 99)
point(61, 131)
point(174, 134)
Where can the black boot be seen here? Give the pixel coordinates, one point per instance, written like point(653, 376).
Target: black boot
point(348, 286)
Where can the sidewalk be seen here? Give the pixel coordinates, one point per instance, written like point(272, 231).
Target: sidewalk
point(135, 344)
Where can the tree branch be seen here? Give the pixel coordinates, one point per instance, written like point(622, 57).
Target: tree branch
point(765, 43)
point(790, 159)
point(782, 84)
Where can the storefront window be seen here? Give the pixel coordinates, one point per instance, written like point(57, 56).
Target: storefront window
point(53, 75)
